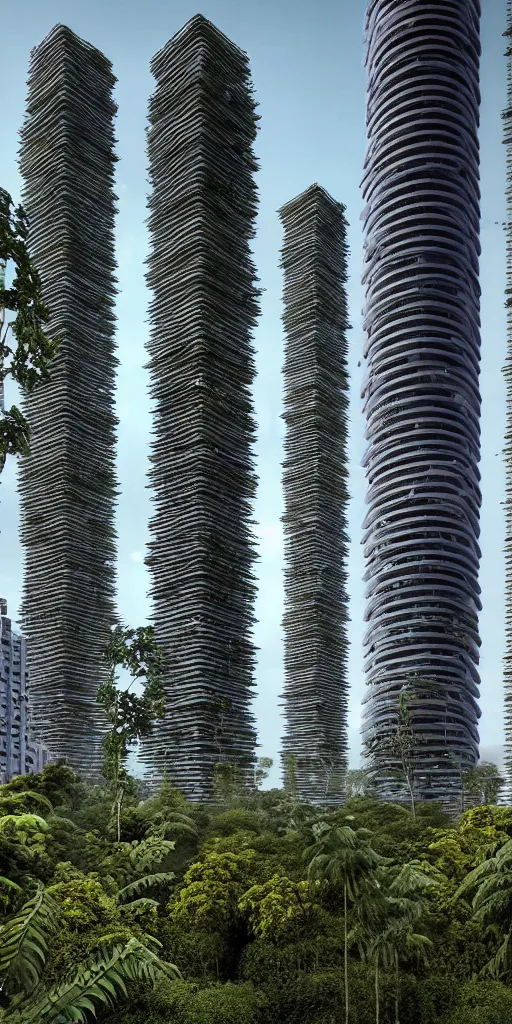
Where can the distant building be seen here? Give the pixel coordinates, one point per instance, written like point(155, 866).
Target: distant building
point(20, 753)
point(316, 384)
point(204, 306)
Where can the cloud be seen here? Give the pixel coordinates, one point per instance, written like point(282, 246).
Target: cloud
point(137, 556)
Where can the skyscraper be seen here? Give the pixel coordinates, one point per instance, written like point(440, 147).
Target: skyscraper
point(421, 390)
point(20, 752)
point(204, 306)
point(314, 258)
point(67, 483)
point(507, 667)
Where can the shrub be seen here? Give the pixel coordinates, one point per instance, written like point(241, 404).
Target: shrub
point(427, 1000)
point(480, 1002)
point(236, 820)
point(265, 965)
point(197, 954)
point(181, 1002)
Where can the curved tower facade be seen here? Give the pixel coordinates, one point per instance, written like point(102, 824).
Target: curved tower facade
point(67, 485)
point(507, 665)
point(316, 383)
point(421, 389)
point(204, 307)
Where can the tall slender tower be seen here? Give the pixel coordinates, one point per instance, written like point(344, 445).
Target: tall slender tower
point(314, 260)
point(67, 483)
point(507, 118)
point(421, 389)
point(205, 304)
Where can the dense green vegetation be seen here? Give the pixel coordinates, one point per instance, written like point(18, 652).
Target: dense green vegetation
point(256, 909)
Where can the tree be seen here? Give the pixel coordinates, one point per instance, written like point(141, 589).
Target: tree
point(388, 912)
point(28, 361)
point(359, 782)
point(400, 747)
point(24, 944)
point(405, 895)
point(484, 782)
point(131, 716)
point(212, 889)
point(492, 905)
point(261, 770)
point(342, 857)
point(228, 782)
point(290, 773)
point(276, 906)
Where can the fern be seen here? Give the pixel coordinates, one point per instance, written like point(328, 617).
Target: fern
point(150, 852)
point(99, 983)
point(24, 942)
point(178, 829)
point(140, 884)
point(131, 860)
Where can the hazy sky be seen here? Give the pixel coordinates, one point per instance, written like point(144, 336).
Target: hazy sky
point(307, 65)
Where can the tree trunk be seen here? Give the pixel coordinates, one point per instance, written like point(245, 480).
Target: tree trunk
point(411, 791)
point(377, 1003)
point(397, 982)
point(345, 951)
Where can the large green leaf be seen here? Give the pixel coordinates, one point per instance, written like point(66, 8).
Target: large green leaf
point(140, 884)
point(100, 982)
point(24, 942)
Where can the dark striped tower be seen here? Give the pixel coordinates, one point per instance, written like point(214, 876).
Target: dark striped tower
point(67, 483)
point(421, 390)
point(205, 303)
point(314, 261)
point(507, 119)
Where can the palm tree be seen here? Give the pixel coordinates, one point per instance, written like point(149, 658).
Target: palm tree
point(398, 940)
point(342, 857)
point(391, 907)
point(492, 904)
point(24, 942)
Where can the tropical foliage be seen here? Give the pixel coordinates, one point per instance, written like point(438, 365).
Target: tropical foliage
point(26, 361)
point(250, 909)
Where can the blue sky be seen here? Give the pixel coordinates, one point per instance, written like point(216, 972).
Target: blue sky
point(307, 66)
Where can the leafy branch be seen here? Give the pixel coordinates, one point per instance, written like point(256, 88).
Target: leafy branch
point(27, 359)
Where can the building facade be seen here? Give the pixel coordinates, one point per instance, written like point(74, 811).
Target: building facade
point(20, 752)
point(421, 389)
point(204, 307)
point(67, 482)
point(507, 664)
point(316, 384)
